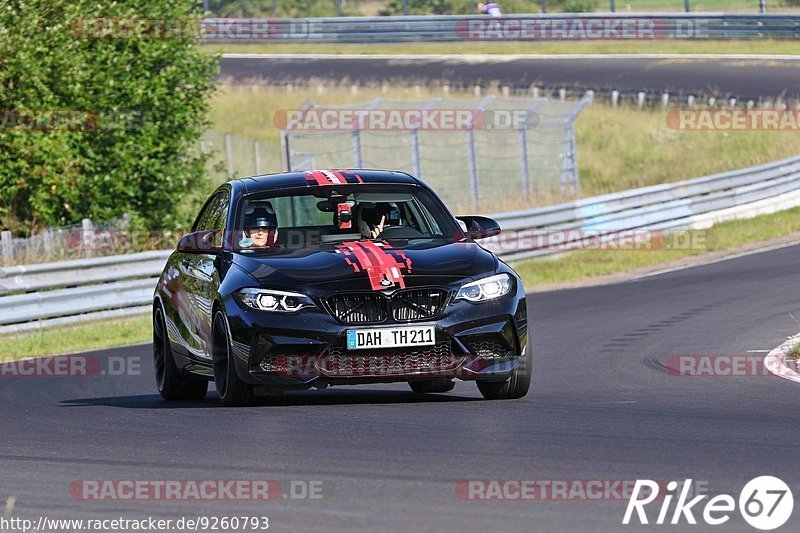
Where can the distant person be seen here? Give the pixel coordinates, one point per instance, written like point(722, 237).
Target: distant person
point(492, 9)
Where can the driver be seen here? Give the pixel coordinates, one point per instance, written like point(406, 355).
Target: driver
point(260, 228)
point(373, 219)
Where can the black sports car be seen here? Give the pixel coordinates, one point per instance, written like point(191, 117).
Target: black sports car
point(340, 277)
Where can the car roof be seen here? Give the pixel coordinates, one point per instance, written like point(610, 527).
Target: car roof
point(313, 178)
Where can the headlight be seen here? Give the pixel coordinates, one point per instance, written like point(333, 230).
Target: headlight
point(485, 289)
point(280, 301)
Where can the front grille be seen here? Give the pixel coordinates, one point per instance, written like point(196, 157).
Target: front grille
point(438, 357)
point(358, 308)
point(418, 304)
point(404, 306)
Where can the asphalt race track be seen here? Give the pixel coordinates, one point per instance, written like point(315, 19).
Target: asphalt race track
point(735, 77)
point(602, 407)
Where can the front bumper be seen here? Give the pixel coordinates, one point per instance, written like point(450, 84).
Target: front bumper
point(306, 349)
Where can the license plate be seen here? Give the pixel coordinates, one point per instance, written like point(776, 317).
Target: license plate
point(360, 339)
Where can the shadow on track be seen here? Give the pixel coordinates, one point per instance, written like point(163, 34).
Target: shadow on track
point(293, 398)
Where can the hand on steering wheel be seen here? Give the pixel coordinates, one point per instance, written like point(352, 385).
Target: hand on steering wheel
point(378, 229)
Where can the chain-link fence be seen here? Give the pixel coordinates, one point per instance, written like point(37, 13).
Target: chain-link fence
point(487, 154)
point(233, 156)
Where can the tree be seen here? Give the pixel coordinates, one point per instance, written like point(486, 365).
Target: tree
point(97, 124)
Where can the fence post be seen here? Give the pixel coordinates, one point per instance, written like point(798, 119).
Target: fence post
point(544, 6)
point(523, 159)
point(8, 246)
point(686, 5)
point(47, 241)
point(87, 239)
point(286, 148)
point(357, 159)
point(229, 154)
point(613, 6)
point(415, 159)
point(473, 166)
point(257, 157)
point(569, 164)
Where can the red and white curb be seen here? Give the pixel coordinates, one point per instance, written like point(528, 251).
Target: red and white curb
point(775, 361)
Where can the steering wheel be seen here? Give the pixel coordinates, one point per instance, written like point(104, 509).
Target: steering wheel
point(401, 232)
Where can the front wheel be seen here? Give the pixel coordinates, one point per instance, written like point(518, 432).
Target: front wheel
point(171, 384)
point(514, 387)
point(233, 392)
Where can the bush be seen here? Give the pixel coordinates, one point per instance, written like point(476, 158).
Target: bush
point(135, 110)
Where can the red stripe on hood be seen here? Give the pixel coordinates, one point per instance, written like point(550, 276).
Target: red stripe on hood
point(379, 260)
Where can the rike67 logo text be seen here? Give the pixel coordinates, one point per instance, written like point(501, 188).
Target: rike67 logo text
point(765, 503)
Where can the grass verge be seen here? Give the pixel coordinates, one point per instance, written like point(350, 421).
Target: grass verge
point(795, 351)
point(77, 338)
point(587, 264)
point(766, 47)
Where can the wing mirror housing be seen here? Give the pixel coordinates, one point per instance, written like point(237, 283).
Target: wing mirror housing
point(199, 242)
point(479, 227)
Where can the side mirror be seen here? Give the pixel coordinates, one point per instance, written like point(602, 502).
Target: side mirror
point(199, 242)
point(480, 227)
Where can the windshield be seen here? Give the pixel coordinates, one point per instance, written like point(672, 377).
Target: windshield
point(317, 216)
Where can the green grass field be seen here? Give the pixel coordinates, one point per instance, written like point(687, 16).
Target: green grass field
point(76, 338)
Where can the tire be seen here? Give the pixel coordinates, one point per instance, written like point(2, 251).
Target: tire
point(172, 385)
point(513, 388)
point(233, 392)
point(432, 385)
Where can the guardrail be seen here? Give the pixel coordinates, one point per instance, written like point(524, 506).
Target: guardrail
point(49, 294)
point(538, 27)
point(63, 292)
point(694, 203)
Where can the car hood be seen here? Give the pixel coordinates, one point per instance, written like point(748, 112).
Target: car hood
point(368, 265)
